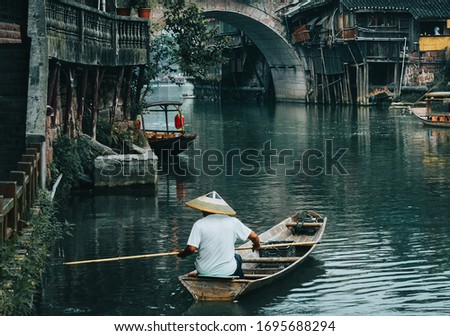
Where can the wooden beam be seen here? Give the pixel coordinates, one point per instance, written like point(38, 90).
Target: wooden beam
point(277, 260)
point(256, 276)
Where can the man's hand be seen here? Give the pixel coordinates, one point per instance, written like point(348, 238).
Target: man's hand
point(256, 246)
point(180, 253)
point(186, 252)
point(255, 240)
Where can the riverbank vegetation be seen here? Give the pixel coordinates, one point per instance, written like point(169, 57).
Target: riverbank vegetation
point(24, 258)
point(74, 157)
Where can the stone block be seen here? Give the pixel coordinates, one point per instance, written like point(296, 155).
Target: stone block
point(125, 170)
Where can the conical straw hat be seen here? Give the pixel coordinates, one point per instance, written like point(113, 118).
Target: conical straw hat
point(213, 203)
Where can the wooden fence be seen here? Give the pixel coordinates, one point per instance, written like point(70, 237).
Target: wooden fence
point(18, 194)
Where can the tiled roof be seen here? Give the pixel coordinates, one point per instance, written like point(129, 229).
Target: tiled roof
point(420, 9)
point(306, 5)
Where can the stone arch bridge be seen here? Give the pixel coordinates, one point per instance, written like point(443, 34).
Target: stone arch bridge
point(259, 21)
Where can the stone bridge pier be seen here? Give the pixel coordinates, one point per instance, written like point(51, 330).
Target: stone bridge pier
point(268, 33)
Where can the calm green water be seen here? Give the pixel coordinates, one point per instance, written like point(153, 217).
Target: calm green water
point(386, 250)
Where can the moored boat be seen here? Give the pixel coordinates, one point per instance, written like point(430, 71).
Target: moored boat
point(285, 246)
point(436, 111)
point(164, 128)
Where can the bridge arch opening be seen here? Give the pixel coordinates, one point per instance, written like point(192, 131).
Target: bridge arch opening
point(287, 71)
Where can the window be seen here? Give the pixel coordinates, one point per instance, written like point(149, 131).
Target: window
point(381, 20)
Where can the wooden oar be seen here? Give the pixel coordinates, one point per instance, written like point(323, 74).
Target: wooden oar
point(121, 258)
point(279, 245)
point(142, 256)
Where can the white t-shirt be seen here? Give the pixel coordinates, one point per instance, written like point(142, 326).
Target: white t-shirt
point(214, 237)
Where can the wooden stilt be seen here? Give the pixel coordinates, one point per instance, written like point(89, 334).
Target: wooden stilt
point(117, 95)
point(357, 83)
point(53, 88)
point(68, 110)
point(314, 80)
point(82, 100)
point(98, 76)
point(126, 94)
point(337, 97)
point(325, 86)
point(349, 86)
point(52, 82)
point(366, 83)
point(341, 89)
point(55, 98)
point(140, 85)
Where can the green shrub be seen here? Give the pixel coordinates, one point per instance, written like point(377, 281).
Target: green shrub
point(67, 161)
point(20, 274)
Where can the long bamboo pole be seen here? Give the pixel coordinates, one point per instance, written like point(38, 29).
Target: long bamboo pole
point(165, 254)
point(141, 256)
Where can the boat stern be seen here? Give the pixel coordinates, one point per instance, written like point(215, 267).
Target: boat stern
point(213, 288)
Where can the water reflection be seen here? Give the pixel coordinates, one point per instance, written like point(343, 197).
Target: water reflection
point(262, 302)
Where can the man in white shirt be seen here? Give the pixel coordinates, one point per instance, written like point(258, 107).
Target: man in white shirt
point(214, 236)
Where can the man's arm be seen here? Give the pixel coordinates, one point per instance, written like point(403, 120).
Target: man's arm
point(186, 252)
point(255, 240)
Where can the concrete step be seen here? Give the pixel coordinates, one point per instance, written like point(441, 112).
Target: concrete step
point(9, 26)
point(9, 41)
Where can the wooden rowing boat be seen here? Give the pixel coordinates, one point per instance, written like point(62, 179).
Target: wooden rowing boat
point(435, 113)
point(163, 134)
point(295, 238)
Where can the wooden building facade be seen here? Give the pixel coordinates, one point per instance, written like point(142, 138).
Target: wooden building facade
point(357, 50)
point(58, 60)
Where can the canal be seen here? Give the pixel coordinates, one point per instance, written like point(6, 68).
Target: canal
point(380, 177)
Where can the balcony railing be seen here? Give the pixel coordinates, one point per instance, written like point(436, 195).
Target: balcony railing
point(82, 34)
point(386, 34)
